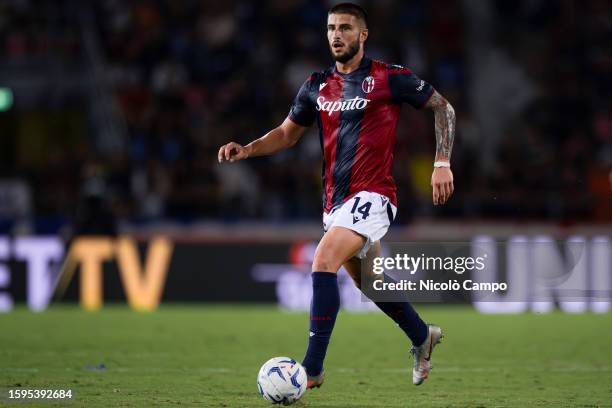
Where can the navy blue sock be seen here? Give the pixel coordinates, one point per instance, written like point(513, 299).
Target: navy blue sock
point(406, 318)
point(323, 311)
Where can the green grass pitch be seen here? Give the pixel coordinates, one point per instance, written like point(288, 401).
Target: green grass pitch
point(208, 356)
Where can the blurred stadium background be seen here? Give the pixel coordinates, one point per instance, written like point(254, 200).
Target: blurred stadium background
point(111, 114)
point(118, 109)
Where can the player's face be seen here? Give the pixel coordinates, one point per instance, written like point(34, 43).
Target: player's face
point(346, 35)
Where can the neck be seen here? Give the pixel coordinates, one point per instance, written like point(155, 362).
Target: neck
point(350, 65)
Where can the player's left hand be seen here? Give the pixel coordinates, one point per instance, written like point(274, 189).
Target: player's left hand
point(442, 184)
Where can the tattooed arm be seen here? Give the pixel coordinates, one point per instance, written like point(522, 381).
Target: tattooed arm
point(445, 125)
point(442, 177)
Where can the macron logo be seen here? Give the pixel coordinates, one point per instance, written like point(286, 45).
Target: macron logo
point(321, 86)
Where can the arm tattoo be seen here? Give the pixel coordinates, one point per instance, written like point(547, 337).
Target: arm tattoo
point(444, 115)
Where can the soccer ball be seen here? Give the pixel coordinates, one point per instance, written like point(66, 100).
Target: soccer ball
point(282, 380)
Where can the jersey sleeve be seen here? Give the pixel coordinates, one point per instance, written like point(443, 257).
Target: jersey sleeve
point(303, 111)
point(407, 87)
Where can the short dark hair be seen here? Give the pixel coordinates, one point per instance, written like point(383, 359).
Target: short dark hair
point(352, 9)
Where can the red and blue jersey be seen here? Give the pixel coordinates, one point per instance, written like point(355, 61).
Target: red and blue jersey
point(357, 115)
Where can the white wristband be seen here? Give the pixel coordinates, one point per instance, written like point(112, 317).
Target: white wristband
point(441, 164)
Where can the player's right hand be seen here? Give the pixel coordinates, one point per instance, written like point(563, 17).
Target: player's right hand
point(232, 152)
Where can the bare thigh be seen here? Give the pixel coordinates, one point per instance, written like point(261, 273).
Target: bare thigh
point(337, 246)
point(353, 265)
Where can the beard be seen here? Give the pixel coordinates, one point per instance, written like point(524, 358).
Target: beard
point(351, 50)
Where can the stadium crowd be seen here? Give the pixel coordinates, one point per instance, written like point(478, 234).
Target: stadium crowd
point(529, 81)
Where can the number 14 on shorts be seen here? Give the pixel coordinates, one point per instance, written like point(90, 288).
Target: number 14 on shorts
point(364, 210)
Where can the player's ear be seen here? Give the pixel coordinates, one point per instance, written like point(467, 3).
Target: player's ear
point(363, 36)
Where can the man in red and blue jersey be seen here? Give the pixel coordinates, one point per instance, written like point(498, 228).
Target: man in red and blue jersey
point(356, 105)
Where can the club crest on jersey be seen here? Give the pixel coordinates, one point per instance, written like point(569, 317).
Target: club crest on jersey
point(368, 84)
point(330, 107)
